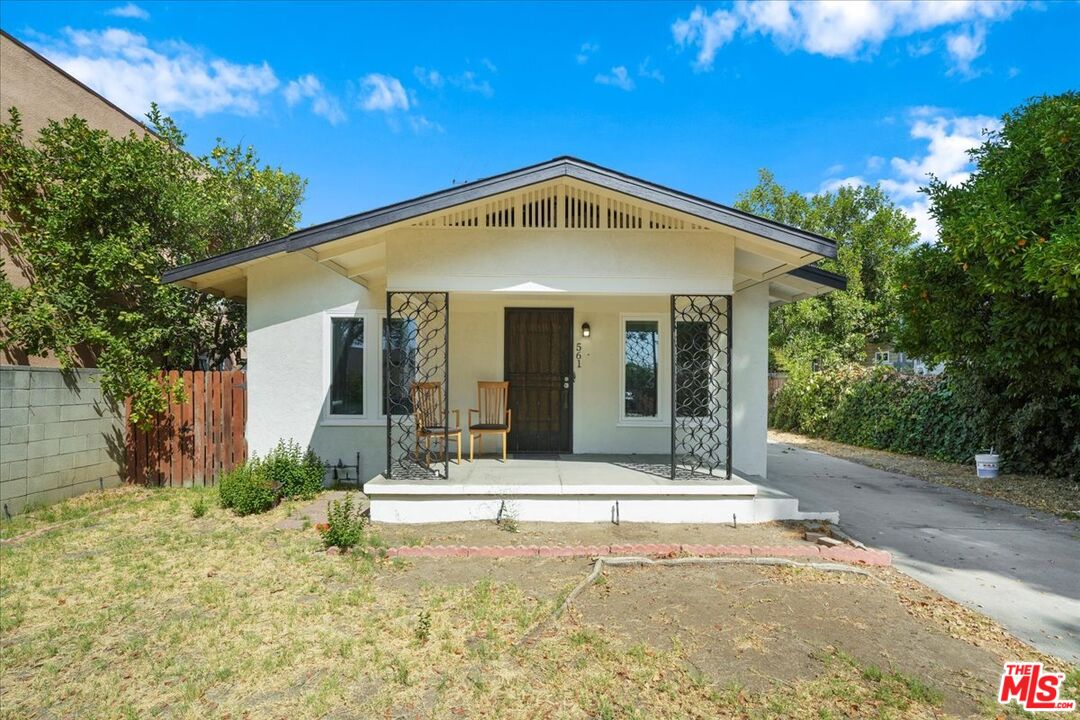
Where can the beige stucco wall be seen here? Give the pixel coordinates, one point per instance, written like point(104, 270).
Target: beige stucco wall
point(590, 261)
point(42, 92)
point(291, 300)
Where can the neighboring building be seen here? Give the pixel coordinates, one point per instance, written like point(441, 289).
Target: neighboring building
point(608, 303)
point(901, 361)
point(58, 436)
point(42, 92)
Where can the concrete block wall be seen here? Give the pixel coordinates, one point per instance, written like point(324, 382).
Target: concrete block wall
point(58, 436)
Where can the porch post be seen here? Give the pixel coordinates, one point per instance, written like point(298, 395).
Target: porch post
point(674, 407)
point(416, 350)
point(701, 416)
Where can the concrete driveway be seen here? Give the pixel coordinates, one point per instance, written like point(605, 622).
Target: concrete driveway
point(1019, 566)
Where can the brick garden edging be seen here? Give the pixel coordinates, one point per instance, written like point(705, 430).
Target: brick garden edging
point(838, 554)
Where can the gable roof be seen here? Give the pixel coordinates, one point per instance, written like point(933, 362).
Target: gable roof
point(515, 180)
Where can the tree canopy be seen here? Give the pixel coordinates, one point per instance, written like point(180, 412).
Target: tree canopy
point(93, 221)
point(871, 234)
point(999, 293)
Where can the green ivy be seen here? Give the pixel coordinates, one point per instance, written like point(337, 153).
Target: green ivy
point(944, 417)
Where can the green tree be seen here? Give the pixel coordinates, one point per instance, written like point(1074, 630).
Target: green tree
point(998, 296)
point(999, 293)
point(871, 233)
point(93, 221)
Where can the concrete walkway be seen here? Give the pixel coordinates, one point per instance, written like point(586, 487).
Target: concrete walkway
point(1019, 566)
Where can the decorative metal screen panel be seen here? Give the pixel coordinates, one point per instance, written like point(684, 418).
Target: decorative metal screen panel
point(700, 385)
point(416, 349)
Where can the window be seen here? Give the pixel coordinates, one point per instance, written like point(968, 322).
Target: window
point(641, 368)
point(692, 364)
point(882, 357)
point(347, 366)
point(399, 348)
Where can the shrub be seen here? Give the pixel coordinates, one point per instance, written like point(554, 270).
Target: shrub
point(246, 490)
point(199, 507)
point(948, 417)
point(345, 527)
point(296, 473)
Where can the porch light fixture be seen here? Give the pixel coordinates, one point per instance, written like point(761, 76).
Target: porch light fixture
point(586, 331)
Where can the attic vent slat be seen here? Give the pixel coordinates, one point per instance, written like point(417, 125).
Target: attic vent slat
point(582, 209)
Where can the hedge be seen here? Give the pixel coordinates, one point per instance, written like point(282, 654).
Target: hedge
point(943, 417)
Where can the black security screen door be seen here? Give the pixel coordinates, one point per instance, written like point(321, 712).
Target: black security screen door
point(539, 366)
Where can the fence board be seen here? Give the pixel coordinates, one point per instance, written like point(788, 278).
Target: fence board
point(193, 442)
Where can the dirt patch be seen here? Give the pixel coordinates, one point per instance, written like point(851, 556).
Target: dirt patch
point(544, 579)
point(304, 515)
point(1052, 495)
point(489, 533)
point(757, 627)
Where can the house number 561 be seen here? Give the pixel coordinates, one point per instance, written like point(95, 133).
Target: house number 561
point(577, 354)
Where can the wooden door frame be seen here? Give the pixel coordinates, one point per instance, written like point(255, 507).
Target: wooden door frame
point(569, 360)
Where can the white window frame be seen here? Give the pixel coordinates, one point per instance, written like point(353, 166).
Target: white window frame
point(372, 369)
point(663, 402)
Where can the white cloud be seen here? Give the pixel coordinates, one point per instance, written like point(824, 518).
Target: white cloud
point(468, 80)
point(490, 66)
point(302, 87)
point(835, 29)
point(708, 32)
point(586, 52)
point(124, 67)
point(618, 77)
point(646, 70)
point(323, 103)
point(431, 79)
point(383, 92)
point(964, 47)
point(421, 125)
point(948, 139)
point(835, 184)
point(131, 10)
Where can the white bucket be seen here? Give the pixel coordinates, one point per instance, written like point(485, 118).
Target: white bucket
point(986, 465)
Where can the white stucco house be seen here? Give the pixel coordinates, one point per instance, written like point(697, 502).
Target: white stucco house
point(629, 320)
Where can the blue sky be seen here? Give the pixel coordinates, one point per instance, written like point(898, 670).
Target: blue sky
point(376, 103)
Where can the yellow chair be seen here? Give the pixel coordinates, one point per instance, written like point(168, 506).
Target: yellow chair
point(427, 399)
point(493, 415)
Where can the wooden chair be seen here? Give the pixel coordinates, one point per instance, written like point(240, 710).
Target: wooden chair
point(493, 415)
point(427, 399)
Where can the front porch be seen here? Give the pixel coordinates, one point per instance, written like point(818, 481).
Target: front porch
point(577, 488)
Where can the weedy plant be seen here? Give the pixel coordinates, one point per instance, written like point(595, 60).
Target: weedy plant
point(346, 527)
point(423, 626)
point(199, 507)
point(287, 471)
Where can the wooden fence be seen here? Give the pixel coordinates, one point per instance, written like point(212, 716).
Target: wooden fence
point(776, 381)
point(195, 441)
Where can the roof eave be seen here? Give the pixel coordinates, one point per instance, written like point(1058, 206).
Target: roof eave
point(507, 182)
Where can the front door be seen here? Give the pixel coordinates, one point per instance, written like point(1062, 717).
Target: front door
point(539, 366)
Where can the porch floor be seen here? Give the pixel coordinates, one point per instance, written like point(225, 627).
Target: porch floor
point(576, 475)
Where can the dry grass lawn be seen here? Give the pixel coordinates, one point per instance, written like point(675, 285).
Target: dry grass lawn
point(142, 610)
